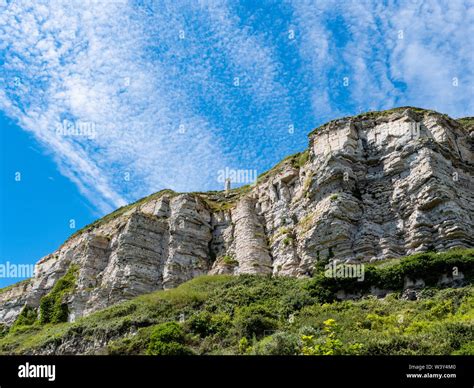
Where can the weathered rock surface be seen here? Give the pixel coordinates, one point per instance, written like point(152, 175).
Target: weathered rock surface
point(370, 187)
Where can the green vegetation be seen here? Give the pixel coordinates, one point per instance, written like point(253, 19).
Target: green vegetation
point(218, 201)
point(167, 339)
point(229, 260)
point(428, 266)
point(306, 222)
point(388, 112)
point(11, 286)
point(307, 183)
point(283, 231)
point(254, 321)
point(53, 307)
point(288, 241)
point(120, 211)
point(378, 114)
point(466, 121)
point(252, 314)
point(3, 330)
point(328, 344)
point(300, 159)
point(333, 197)
point(27, 317)
point(295, 160)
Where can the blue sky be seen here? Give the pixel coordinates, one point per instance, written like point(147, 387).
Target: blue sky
point(165, 94)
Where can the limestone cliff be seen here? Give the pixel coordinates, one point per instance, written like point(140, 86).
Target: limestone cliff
point(374, 186)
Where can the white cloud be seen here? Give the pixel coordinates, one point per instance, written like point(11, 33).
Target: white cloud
point(126, 69)
point(436, 46)
point(74, 66)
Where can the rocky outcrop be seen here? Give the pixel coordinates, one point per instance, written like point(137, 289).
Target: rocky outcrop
point(370, 187)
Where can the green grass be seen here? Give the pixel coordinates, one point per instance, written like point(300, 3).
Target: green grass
point(283, 231)
point(53, 307)
point(120, 211)
point(306, 222)
point(466, 121)
point(223, 202)
point(300, 159)
point(229, 260)
point(252, 314)
point(8, 288)
point(27, 317)
point(391, 274)
point(297, 161)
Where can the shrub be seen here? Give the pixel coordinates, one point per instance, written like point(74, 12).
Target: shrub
point(134, 344)
point(3, 330)
point(199, 323)
point(279, 344)
point(27, 317)
point(328, 344)
point(303, 158)
point(456, 334)
point(294, 300)
point(287, 241)
point(465, 350)
point(205, 323)
point(244, 347)
point(53, 308)
point(254, 320)
point(229, 260)
point(223, 310)
point(428, 266)
point(167, 339)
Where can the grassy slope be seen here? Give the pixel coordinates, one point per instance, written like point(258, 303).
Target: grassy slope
point(466, 121)
point(8, 288)
point(263, 315)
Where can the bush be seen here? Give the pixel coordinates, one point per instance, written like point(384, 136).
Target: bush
point(53, 308)
point(244, 347)
point(131, 345)
point(254, 320)
point(229, 260)
point(428, 266)
point(3, 330)
point(465, 350)
point(248, 314)
point(279, 344)
point(456, 334)
point(328, 344)
point(200, 323)
point(295, 300)
point(205, 324)
point(167, 339)
point(27, 317)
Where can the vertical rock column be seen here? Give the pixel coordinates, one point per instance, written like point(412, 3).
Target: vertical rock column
point(188, 253)
point(250, 245)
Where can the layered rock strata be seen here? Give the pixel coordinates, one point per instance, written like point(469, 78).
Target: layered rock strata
point(370, 187)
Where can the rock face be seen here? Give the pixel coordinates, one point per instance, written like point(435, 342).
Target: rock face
point(369, 187)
